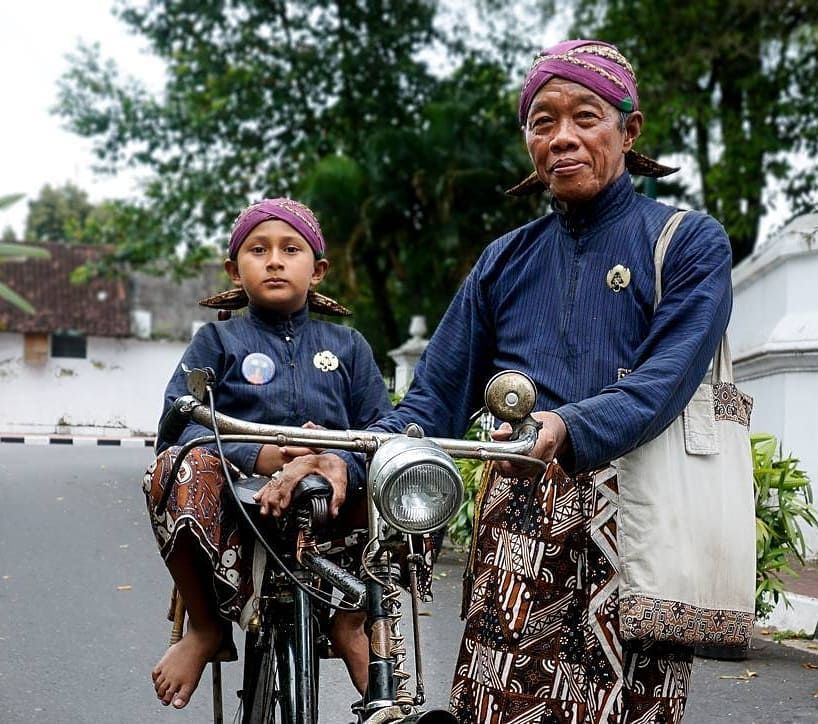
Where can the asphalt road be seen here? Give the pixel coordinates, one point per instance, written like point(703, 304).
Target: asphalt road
point(83, 598)
point(76, 645)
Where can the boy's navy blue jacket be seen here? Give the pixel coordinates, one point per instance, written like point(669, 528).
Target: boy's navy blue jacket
point(353, 395)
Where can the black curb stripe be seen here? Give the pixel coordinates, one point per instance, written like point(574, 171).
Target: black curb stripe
point(100, 442)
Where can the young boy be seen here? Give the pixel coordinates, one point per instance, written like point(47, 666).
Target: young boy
point(273, 365)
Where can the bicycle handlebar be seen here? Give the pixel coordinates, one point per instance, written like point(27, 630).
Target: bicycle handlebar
point(365, 441)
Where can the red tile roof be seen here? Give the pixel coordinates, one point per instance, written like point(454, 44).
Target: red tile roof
point(98, 308)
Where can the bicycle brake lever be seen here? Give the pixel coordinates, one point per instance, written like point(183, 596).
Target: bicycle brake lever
point(198, 380)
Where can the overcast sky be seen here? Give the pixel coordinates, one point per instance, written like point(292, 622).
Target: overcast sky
point(35, 37)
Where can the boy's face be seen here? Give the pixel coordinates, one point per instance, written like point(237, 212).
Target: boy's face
point(276, 267)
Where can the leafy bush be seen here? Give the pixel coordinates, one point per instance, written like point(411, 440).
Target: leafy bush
point(783, 504)
point(460, 527)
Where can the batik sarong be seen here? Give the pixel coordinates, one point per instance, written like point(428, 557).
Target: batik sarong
point(195, 505)
point(541, 643)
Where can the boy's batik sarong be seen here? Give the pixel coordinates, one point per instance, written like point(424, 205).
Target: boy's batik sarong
point(541, 643)
point(195, 505)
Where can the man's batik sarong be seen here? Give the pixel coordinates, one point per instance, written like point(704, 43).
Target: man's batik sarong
point(541, 643)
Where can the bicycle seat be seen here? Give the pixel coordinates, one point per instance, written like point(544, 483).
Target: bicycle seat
point(312, 486)
point(246, 488)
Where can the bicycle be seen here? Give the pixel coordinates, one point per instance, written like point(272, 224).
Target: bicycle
point(414, 488)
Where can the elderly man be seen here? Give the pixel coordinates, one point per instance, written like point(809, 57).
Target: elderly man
point(569, 300)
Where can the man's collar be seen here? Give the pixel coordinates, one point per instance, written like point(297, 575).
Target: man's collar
point(606, 204)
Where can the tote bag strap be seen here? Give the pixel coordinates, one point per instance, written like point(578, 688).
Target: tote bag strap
point(662, 243)
point(722, 360)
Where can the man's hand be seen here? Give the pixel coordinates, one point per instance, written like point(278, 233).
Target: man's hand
point(272, 457)
point(277, 494)
point(551, 441)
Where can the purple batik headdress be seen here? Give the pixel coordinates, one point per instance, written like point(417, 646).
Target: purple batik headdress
point(303, 220)
point(601, 68)
point(297, 215)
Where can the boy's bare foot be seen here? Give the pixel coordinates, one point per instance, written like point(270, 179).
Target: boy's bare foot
point(177, 674)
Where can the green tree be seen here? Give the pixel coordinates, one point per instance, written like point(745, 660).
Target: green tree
point(329, 100)
point(58, 214)
point(418, 207)
point(732, 85)
point(14, 251)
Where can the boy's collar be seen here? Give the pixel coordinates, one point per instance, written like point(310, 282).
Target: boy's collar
point(292, 322)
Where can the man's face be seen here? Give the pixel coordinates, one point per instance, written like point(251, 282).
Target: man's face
point(574, 139)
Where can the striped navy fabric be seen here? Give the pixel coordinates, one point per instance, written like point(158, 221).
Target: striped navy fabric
point(538, 301)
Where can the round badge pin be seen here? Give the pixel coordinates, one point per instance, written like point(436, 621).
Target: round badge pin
point(258, 368)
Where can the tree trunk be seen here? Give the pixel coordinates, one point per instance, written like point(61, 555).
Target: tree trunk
point(742, 162)
point(380, 296)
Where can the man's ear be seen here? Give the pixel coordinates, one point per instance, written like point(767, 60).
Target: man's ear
point(319, 271)
point(633, 129)
point(232, 269)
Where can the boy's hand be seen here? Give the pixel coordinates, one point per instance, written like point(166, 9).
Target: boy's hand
point(274, 457)
point(277, 494)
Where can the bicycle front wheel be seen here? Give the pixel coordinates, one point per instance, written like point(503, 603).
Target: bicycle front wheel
point(277, 684)
point(260, 692)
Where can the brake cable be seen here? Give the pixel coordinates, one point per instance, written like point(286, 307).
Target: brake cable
point(309, 590)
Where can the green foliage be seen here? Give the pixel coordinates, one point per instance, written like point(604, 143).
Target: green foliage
point(16, 252)
point(730, 84)
point(790, 635)
point(331, 102)
point(461, 526)
point(783, 504)
point(9, 200)
point(58, 214)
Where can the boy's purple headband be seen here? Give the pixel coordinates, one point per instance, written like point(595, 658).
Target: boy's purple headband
point(296, 215)
point(598, 66)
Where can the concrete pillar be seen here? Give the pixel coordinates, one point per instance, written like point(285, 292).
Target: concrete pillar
point(774, 339)
point(407, 355)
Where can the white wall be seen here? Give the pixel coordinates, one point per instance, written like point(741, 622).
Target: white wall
point(774, 339)
point(117, 390)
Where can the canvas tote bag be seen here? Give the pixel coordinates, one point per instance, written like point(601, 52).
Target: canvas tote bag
point(686, 531)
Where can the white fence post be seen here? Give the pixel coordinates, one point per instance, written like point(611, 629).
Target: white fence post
point(407, 355)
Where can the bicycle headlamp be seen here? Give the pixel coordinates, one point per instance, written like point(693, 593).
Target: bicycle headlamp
point(415, 485)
